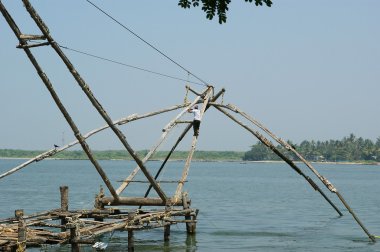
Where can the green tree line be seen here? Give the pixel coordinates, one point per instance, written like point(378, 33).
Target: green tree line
point(350, 149)
point(124, 155)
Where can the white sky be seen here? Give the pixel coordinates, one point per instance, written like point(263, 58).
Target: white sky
point(305, 69)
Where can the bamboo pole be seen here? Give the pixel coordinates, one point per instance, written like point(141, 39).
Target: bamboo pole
point(188, 127)
point(282, 156)
point(164, 135)
point(167, 158)
point(282, 142)
point(86, 89)
point(57, 100)
point(185, 172)
point(121, 121)
point(324, 180)
point(173, 122)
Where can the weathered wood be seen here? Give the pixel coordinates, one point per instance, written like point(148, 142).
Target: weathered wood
point(135, 201)
point(32, 37)
point(33, 45)
point(146, 158)
point(165, 133)
point(188, 127)
point(193, 91)
point(121, 121)
point(185, 172)
point(86, 89)
point(145, 181)
point(190, 225)
point(324, 180)
point(64, 190)
point(172, 122)
point(50, 88)
point(167, 232)
point(21, 238)
point(167, 158)
point(131, 239)
point(74, 226)
point(271, 146)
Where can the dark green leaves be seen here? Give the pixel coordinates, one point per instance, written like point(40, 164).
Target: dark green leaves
point(217, 7)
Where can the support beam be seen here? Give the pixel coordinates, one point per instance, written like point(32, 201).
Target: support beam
point(121, 121)
point(86, 89)
point(178, 192)
point(57, 100)
point(164, 135)
point(214, 98)
point(269, 144)
point(137, 201)
point(324, 180)
point(32, 37)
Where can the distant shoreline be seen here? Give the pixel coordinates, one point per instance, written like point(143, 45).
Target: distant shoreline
point(211, 160)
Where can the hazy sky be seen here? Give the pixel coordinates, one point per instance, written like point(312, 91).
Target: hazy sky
point(305, 69)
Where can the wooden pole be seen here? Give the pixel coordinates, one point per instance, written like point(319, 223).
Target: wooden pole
point(188, 127)
point(164, 135)
point(64, 190)
point(167, 157)
point(167, 232)
point(131, 239)
point(139, 201)
point(21, 238)
point(86, 89)
point(98, 204)
point(73, 225)
point(190, 226)
point(121, 121)
point(56, 99)
point(324, 180)
point(167, 226)
point(269, 144)
point(185, 172)
point(371, 237)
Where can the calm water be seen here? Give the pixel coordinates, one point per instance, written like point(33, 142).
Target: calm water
point(243, 207)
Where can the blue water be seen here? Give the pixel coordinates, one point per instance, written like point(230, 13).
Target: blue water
point(243, 206)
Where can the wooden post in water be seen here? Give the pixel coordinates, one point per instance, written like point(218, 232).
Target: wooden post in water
point(167, 232)
point(190, 227)
point(73, 225)
point(99, 204)
point(167, 227)
point(21, 238)
point(131, 239)
point(64, 203)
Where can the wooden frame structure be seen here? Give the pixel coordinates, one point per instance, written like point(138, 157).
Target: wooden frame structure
point(75, 224)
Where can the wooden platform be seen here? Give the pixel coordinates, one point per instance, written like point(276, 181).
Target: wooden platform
point(83, 226)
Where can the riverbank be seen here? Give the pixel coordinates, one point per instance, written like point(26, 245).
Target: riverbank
point(216, 161)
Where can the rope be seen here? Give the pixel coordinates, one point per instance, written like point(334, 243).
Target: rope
point(185, 100)
point(147, 43)
point(127, 65)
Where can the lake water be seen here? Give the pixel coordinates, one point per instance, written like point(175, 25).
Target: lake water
point(243, 206)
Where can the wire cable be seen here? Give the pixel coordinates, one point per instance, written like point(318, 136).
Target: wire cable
point(130, 66)
point(146, 42)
